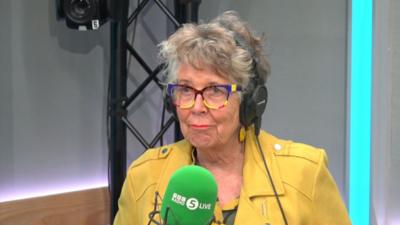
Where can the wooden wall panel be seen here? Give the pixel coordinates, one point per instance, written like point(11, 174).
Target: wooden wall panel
point(88, 207)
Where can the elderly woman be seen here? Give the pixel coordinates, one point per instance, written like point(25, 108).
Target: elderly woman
point(216, 74)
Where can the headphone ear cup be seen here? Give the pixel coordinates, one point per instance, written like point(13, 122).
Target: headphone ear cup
point(253, 105)
point(245, 110)
point(260, 98)
point(168, 104)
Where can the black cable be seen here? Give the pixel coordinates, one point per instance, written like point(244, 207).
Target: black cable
point(165, 219)
point(271, 181)
point(153, 213)
point(162, 124)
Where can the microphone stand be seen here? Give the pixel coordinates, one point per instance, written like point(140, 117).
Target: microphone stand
point(153, 213)
point(166, 216)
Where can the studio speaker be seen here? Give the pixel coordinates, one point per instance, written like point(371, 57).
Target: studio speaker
point(83, 14)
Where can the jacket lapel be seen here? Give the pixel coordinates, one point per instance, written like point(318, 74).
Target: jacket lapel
point(248, 213)
point(180, 155)
point(255, 177)
point(256, 183)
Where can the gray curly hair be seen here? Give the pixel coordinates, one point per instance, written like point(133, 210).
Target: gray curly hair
point(215, 45)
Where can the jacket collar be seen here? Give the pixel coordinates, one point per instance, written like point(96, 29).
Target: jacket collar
point(180, 154)
point(255, 178)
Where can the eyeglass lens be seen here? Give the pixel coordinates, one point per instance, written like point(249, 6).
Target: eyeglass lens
point(213, 96)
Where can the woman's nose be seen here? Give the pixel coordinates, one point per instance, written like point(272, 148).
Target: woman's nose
point(199, 104)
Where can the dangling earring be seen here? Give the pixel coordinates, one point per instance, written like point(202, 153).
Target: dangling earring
point(242, 134)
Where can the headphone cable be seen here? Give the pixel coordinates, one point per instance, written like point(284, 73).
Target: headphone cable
point(271, 181)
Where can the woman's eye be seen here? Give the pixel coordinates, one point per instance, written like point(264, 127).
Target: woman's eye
point(185, 90)
point(217, 90)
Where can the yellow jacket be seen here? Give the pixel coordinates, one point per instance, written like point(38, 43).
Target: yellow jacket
point(305, 187)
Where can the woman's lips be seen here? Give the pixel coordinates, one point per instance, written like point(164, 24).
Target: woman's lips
point(200, 126)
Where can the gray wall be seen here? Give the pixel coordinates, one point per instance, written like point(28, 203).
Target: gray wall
point(52, 86)
point(145, 112)
point(306, 43)
point(394, 185)
point(394, 194)
point(6, 116)
point(53, 98)
point(385, 206)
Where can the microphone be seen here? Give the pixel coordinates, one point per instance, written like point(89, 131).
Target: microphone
point(190, 197)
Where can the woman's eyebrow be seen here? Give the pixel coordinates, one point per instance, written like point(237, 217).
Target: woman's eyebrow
point(214, 83)
point(184, 82)
point(208, 84)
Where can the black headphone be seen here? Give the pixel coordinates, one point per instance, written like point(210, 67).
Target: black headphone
point(168, 103)
point(254, 96)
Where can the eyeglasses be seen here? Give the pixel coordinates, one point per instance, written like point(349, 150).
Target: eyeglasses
point(214, 97)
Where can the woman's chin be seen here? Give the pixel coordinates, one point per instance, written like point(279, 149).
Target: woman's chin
point(201, 141)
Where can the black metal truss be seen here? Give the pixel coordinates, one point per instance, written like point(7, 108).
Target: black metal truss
point(119, 101)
